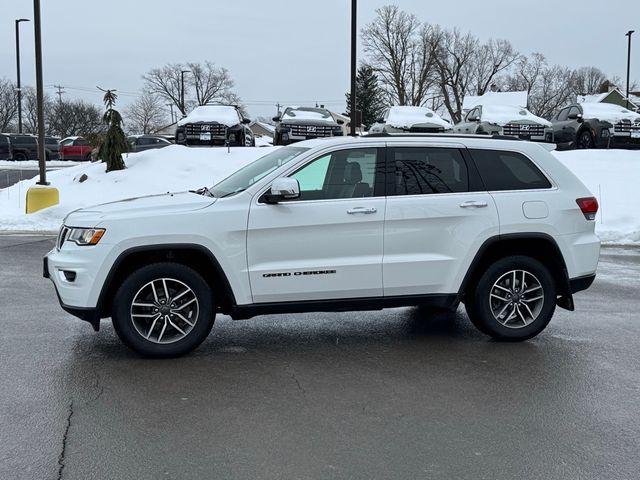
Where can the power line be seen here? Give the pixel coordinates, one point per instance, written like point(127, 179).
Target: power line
point(59, 92)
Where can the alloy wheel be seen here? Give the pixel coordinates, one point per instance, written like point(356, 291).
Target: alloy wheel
point(516, 299)
point(164, 310)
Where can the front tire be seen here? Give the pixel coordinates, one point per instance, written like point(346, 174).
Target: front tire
point(514, 299)
point(585, 140)
point(163, 310)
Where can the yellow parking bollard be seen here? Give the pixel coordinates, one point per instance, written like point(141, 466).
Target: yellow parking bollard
point(39, 197)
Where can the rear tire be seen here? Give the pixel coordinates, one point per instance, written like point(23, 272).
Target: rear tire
point(514, 299)
point(19, 157)
point(163, 310)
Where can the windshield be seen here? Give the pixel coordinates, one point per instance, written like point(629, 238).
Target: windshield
point(250, 174)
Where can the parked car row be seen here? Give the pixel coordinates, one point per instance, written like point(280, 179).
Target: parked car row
point(14, 146)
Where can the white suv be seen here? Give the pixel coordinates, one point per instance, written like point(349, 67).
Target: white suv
point(338, 224)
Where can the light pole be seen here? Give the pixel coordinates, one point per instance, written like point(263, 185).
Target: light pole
point(19, 89)
point(354, 27)
point(628, 34)
point(37, 27)
point(182, 72)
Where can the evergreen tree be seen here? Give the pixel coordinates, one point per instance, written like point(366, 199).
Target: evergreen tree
point(115, 141)
point(369, 96)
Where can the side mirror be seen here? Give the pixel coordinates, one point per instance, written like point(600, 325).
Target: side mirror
point(579, 118)
point(380, 120)
point(474, 119)
point(276, 119)
point(283, 188)
point(246, 121)
point(340, 122)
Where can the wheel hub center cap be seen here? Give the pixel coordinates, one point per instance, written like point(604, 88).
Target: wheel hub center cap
point(164, 310)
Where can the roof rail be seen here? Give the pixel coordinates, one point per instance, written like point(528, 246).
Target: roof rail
point(440, 135)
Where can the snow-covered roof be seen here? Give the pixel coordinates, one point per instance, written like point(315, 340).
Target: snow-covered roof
point(608, 112)
point(515, 99)
point(503, 114)
point(307, 113)
point(407, 116)
point(597, 98)
point(225, 114)
point(266, 126)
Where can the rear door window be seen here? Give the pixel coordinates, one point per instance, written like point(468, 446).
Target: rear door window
point(428, 170)
point(501, 170)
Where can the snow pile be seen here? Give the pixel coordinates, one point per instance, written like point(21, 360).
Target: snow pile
point(613, 177)
point(407, 117)
point(223, 114)
point(503, 114)
point(608, 112)
point(174, 168)
point(307, 113)
point(33, 164)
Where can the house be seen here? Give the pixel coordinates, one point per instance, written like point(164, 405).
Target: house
point(512, 99)
point(613, 96)
point(262, 129)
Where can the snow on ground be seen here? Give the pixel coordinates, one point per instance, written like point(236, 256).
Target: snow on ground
point(174, 168)
point(612, 176)
point(33, 164)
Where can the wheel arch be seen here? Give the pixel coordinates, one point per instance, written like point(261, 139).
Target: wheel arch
point(540, 246)
point(195, 256)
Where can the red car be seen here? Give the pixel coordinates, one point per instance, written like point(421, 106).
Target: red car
point(75, 148)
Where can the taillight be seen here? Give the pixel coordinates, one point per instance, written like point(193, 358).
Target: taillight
point(589, 207)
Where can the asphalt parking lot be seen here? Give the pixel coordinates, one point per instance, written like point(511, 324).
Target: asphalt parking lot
point(397, 394)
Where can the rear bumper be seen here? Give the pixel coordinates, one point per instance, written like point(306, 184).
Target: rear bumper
point(581, 283)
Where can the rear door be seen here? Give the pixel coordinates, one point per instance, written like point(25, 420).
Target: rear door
point(438, 215)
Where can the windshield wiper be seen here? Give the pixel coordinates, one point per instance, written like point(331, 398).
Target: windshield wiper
point(233, 193)
point(203, 191)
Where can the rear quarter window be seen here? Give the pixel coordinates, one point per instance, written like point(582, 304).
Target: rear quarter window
point(502, 170)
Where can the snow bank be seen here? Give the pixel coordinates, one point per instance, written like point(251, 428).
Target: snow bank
point(33, 164)
point(503, 114)
point(223, 114)
point(174, 168)
point(613, 177)
point(608, 112)
point(407, 117)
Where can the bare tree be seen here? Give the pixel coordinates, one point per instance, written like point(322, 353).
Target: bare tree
point(30, 110)
point(550, 92)
point(586, 81)
point(203, 84)
point(75, 118)
point(146, 115)
point(489, 60)
point(456, 53)
point(401, 52)
point(8, 104)
point(526, 73)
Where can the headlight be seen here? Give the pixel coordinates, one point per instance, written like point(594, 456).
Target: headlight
point(85, 236)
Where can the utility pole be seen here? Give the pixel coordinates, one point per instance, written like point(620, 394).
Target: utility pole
point(182, 107)
point(628, 34)
point(278, 107)
point(59, 92)
point(19, 89)
point(39, 92)
point(354, 26)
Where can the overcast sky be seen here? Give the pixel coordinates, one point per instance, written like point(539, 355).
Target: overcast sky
point(286, 51)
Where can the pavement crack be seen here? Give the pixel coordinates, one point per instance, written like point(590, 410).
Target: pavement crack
point(297, 382)
point(61, 457)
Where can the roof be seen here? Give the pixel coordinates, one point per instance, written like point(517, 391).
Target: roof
point(516, 99)
point(225, 114)
point(264, 125)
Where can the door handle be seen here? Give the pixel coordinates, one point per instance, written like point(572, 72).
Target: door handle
point(364, 210)
point(473, 204)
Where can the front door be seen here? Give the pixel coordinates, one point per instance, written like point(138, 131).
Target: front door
point(327, 244)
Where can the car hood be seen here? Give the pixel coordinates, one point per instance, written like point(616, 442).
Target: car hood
point(307, 121)
point(146, 206)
